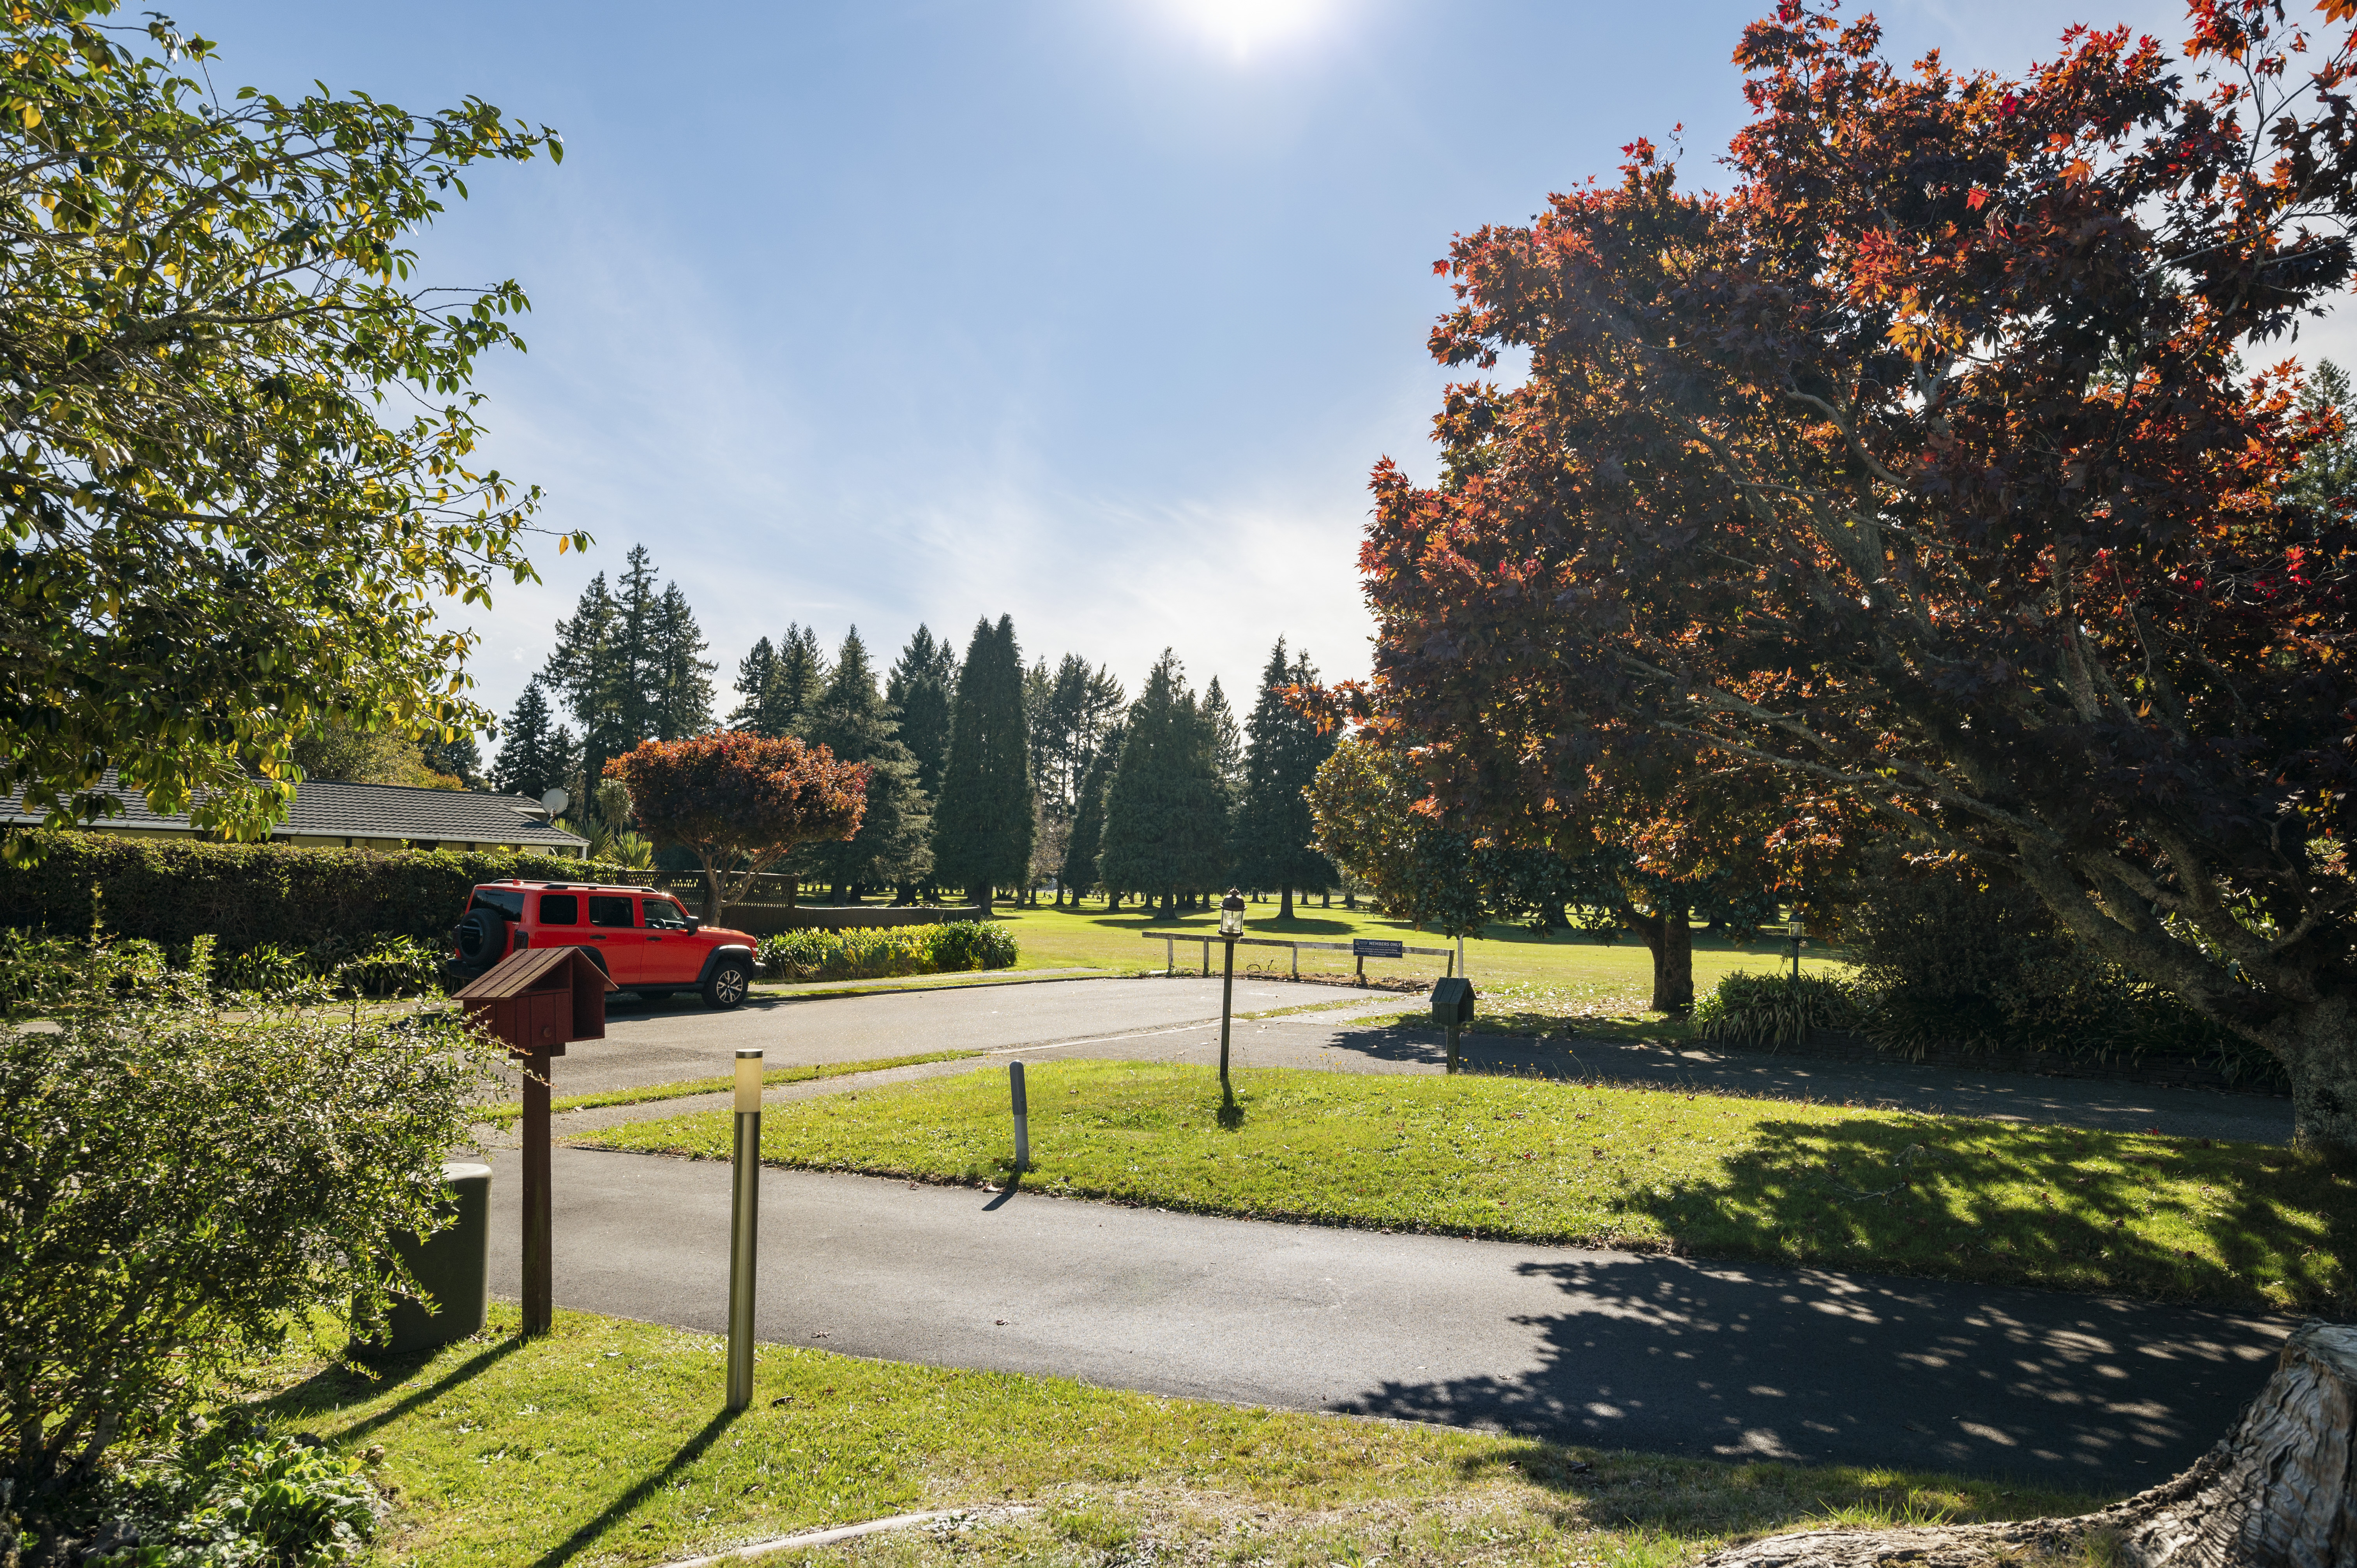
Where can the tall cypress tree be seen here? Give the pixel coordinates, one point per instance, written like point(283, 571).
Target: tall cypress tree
point(893, 842)
point(1166, 808)
point(1271, 846)
point(1087, 842)
point(922, 683)
point(983, 825)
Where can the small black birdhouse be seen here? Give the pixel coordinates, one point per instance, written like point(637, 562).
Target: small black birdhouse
point(1452, 1001)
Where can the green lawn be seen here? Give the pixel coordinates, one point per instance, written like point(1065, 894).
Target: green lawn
point(1517, 971)
point(605, 1443)
point(2247, 1224)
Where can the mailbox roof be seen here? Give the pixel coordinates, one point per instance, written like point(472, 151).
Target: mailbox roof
point(524, 971)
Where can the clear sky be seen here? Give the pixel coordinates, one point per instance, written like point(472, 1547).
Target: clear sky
point(1093, 311)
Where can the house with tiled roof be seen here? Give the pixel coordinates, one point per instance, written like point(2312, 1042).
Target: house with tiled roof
point(331, 814)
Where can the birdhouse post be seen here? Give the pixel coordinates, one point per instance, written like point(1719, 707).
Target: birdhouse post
point(536, 1002)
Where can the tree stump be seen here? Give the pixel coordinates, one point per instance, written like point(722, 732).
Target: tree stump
point(2280, 1492)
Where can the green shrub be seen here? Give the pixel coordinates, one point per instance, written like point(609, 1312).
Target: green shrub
point(180, 1187)
point(279, 1502)
point(1947, 959)
point(339, 901)
point(872, 954)
point(1774, 1009)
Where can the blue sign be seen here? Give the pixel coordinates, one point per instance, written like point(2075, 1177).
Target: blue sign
point(1375, 947)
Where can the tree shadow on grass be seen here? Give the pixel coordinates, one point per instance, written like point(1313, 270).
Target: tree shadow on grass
point(644, 1488)
point(363, 1377)
point(2044, 1206)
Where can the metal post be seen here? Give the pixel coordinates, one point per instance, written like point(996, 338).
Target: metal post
point(1297, 960)
point(1170, 958)
point(537, 1312)
point(1207, 957)
point(1022, 1119)
point(1227, 997)
point(744, 1230)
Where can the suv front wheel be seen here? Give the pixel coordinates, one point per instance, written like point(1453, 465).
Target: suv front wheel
point(726, 987)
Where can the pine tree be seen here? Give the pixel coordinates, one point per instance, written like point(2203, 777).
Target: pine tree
point(982, 828)
point(1080, 873)
point(922, 683)
point(757, 673)
point(679, 696)
point(588, 669)
point(1070, 714)
point(1166, 808)
point(528, 762)
point(893, 842)
point(1271, 844)
point(801, 676)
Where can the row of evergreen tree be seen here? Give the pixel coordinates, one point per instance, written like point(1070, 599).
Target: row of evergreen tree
point(982, 773)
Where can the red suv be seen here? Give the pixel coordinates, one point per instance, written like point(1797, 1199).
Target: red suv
point(641, 937)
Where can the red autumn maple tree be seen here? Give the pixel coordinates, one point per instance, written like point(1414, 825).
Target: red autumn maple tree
point(1923, 466)
point(741, 801)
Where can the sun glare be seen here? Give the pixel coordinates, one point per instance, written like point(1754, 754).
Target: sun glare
point(1246, 27)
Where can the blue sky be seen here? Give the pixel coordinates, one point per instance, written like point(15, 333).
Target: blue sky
point(1094, 313)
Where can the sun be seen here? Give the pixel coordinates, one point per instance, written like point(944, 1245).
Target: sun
point(1247, 27)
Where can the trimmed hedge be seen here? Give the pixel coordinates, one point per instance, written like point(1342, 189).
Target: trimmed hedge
point(881, 954)
point(323, 902)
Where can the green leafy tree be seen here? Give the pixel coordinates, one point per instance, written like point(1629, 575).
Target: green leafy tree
point(740, 802)
point(894, 842)
point(1165, 805)
point(460, 758)
point(334, 750)
point(1272, 845)
point(214, 532)
point(982, 824)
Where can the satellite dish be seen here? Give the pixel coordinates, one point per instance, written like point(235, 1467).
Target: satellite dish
point(557, 800)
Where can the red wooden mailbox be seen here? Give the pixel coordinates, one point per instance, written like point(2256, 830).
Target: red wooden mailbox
point(538, 1002)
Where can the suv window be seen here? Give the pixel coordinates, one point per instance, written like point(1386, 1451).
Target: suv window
point(606, 910)
point(560, 910)
point(508, 901)
point(663, 915)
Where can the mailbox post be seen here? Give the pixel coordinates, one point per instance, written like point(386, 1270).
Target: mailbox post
point(1452, 1009)
point(536, 1002)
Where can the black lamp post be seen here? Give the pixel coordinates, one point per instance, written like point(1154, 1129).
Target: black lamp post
point(1232, 926)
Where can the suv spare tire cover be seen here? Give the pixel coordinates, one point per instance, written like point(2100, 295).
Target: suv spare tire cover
point(482, 938)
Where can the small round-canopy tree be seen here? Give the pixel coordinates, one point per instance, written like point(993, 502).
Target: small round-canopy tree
point(1923, 466)
point(740, 802)
point(213, 537)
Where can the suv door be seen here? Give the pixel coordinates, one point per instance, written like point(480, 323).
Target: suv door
point(614, 934)
point(673, 952)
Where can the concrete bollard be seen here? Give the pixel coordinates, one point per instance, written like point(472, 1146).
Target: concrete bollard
point(1022, 1119)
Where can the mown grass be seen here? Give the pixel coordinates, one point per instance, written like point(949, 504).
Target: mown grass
point(1560, 977)
point(507, 1115)
point(605, 1443)
point(1946, 1198)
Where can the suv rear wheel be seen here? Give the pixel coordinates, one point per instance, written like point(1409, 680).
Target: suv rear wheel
point(726, 987)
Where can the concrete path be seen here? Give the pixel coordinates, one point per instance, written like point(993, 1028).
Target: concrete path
point(1614, 1350)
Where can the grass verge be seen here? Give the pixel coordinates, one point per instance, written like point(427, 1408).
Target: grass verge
point(605, 1442)
point(507, 1115)
point(1946, 1198)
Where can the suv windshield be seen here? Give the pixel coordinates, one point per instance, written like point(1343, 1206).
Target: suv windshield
point(508, 901)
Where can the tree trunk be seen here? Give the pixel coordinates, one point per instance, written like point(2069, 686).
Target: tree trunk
point(2319, 1050)
point(1669, 937)
point(711, 892)
point(979, 896)
point(2280, 1492)
point(1284, 903)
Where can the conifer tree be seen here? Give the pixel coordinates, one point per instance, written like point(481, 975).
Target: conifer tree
point(1271, 846)
point(983, 825)
point(757, 673)
point(802, 674)
point(1070, 711)
point(1166, 808)
point(589, 669)
point(1080, 873)
point(851, 720)
point(461, 758)
point(530, 762)
point(629, 662)
point(922, 683)
point(679, 685)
